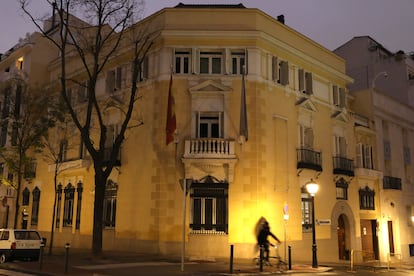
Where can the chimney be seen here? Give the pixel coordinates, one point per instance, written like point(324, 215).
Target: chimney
point(281, 18)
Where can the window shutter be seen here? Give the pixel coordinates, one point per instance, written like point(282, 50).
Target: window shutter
point(284, 75)
point(118, 80)
point(110, 81)
point(407, 156)
point(309, 138)
point(342, 146)
point(227, 62)
point(301, 80)
point(387, 150)
point(275, 69)
point(359, 156)
point(309, 83)
point(195, 60)
point(342, 102)
point(368, 157)
point(335, 95)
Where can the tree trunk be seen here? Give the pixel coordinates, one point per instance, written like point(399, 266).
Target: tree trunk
point(100, 182)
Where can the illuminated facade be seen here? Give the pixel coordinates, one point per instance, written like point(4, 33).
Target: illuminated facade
point(300, 126)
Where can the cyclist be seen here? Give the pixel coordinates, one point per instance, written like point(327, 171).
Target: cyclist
point(263, 241)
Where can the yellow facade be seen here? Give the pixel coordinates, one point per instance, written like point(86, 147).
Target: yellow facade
point(300, 123)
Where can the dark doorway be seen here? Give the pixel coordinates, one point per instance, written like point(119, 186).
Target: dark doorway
point(369, 239)
point(342, 252)
point(391, 238)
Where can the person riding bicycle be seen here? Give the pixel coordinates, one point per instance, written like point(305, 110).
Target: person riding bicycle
point(263, 241)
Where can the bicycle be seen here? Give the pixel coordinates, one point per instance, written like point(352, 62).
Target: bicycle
point(279, 263)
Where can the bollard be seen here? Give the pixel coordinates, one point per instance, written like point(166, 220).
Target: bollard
point(67, 246)
point(261, 259)
point(42, 246)
point(231, 258)
point(290, 257)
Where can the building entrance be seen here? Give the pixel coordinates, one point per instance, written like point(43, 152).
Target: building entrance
point(343, 253)
point(369, 239)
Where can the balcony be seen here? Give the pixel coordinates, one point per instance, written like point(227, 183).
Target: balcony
point(309, 159)
point(209, 148)
point(342, 165)
point(390, 182)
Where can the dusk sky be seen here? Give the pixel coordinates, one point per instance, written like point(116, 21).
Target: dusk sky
point(328, 22)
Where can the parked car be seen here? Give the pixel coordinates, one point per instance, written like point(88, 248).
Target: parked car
point(19, 244)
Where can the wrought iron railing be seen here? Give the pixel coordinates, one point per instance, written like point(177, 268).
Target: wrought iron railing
point(390, 182)
point(309, 159)
point(342, 165)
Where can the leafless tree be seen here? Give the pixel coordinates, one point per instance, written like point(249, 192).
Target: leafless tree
point(95, 44)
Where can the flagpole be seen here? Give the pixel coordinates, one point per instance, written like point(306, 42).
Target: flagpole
point(243, 111)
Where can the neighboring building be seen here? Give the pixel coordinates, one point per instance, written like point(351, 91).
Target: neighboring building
point(24, 64)
point(383, 94)
point(301, 126)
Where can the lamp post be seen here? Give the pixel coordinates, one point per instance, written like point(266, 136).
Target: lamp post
point(383, 73)
point(312, 187)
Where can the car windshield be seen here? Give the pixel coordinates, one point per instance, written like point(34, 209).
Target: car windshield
point(26, 235)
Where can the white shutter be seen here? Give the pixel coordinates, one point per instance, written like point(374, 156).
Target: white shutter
point(342, 101)
point(228, 62)
point(335, 95)
point(284, 75)
point(195, 60)
point(275, 69)
point(309, 83)
point(309, 138)
point(359, 155)
point(368, 157)
point(301, 79)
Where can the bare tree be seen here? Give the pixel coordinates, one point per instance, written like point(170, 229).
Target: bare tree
point(53, 153)
point(27, 117)
point(96, 44)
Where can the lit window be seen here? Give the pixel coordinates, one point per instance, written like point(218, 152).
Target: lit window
point(306, 211)
point(19, 63)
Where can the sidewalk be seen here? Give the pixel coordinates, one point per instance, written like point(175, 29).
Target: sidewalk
point(83, 263)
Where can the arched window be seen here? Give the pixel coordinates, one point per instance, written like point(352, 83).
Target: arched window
point(58, 204)
point(79, 189)
point(68, 205)
point(35, 206)
point(26, 196)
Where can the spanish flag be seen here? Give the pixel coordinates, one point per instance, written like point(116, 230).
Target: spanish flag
point(171, 122)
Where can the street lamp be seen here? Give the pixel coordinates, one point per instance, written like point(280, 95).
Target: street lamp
point(383, 73)
point(312, 187)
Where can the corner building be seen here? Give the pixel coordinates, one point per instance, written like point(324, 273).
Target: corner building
point(299, 124)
